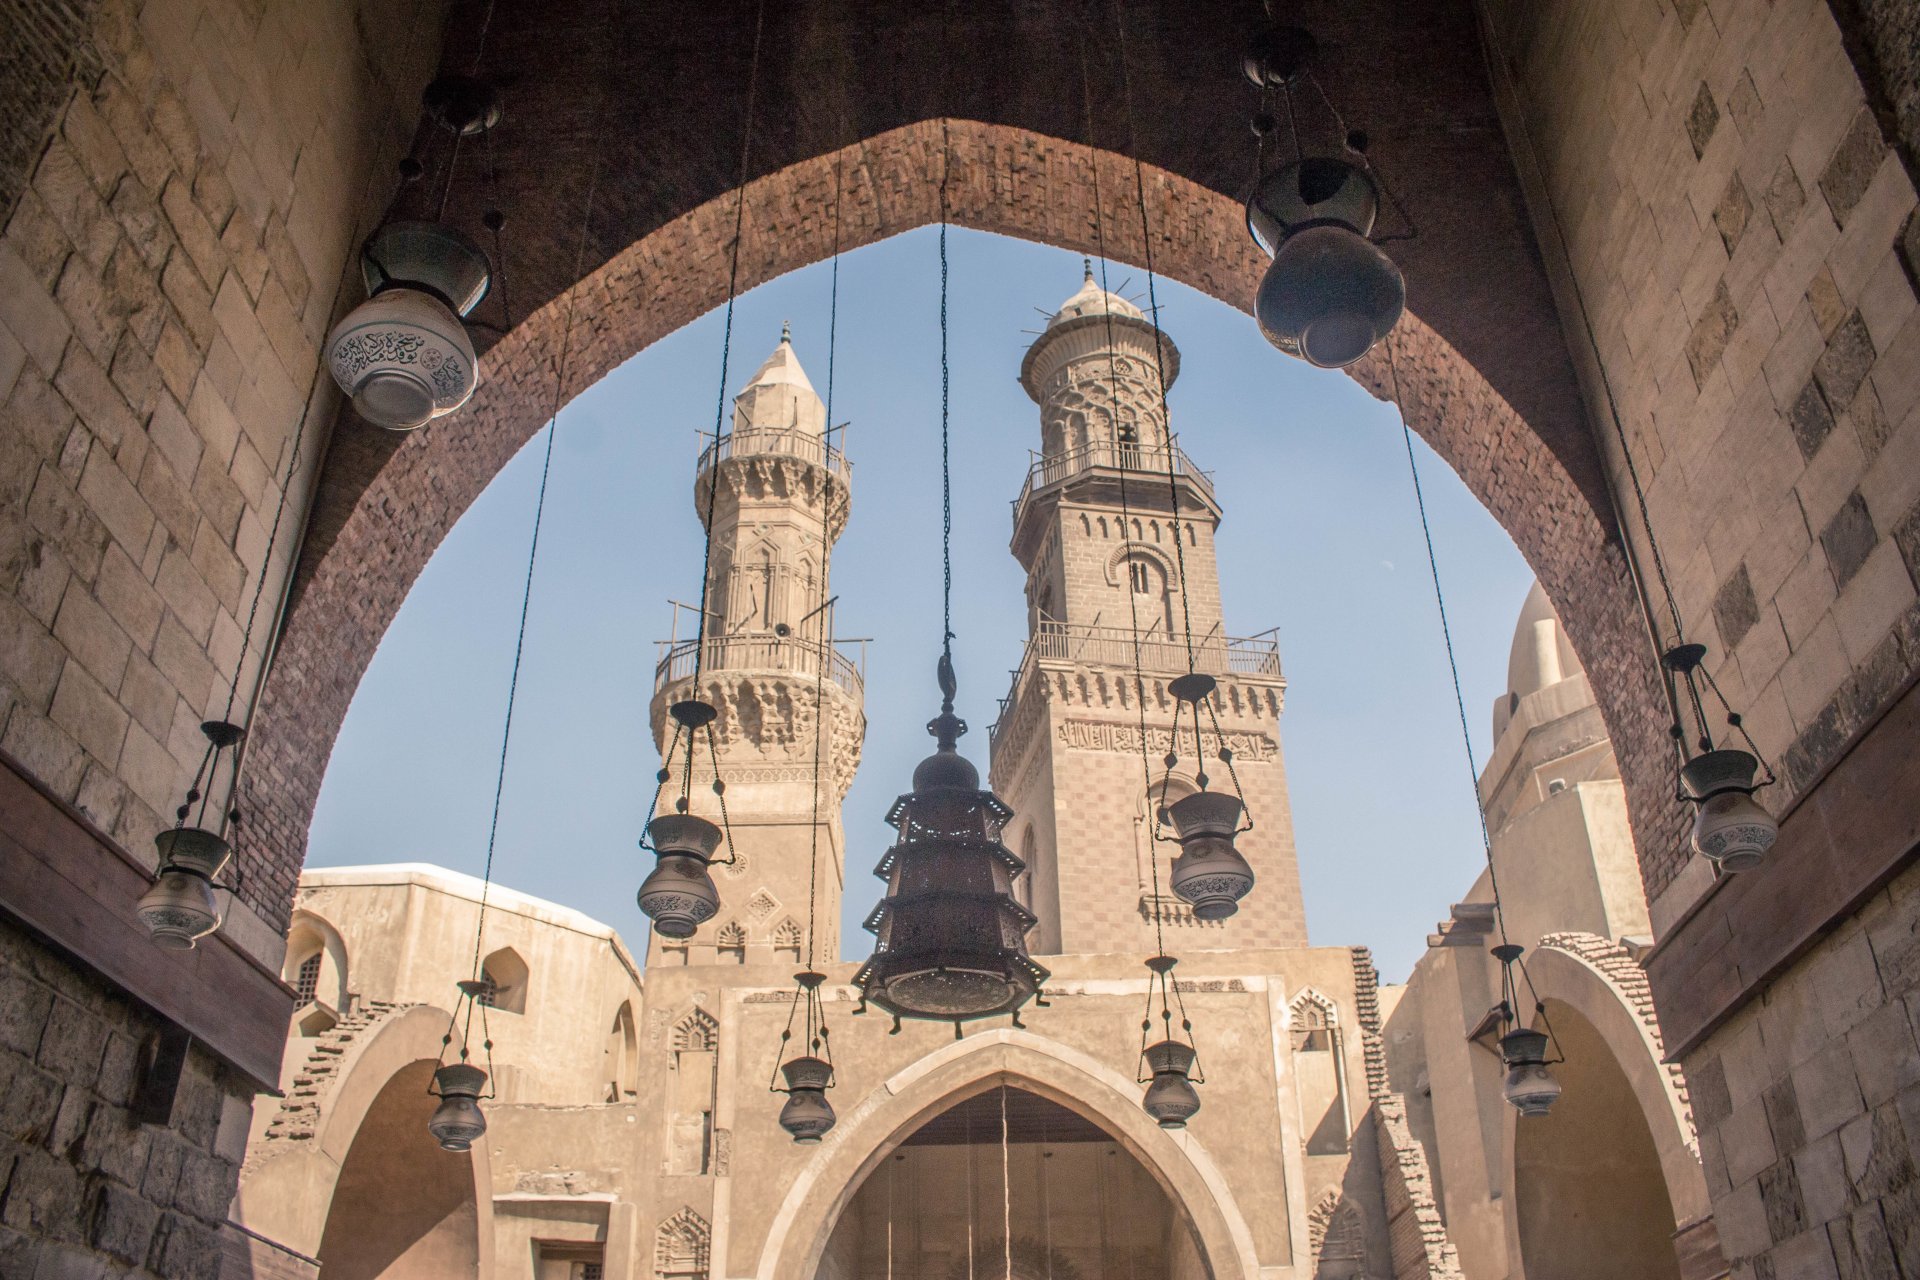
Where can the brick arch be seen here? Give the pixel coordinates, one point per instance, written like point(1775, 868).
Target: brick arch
point(380, 515)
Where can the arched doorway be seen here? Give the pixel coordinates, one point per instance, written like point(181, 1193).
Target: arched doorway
point(403, 1209)
point(1591, 1200)
point(1050, 1190)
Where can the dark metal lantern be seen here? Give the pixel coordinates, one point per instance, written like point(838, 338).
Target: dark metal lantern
point(1529, 1085)
point(1730, 828)
point(951, 937)
point(1171, 1099)
point(807, 1114)
point(1209, 872)
point(458, 1121)
point(679, 895)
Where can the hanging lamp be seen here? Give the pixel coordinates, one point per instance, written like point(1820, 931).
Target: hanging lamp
point(1730, 828)
point(950, 938)
point(679, 894)
point(180, 908)
point(1529, 1085)
point(457, 1123)
point(1209, 872)
point(1331, 292)
point(807, 1115)
point(1169, 1065)
point(403, 356)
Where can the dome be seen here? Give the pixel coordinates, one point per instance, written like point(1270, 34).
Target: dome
point(1541, 655)
point(1092, 300)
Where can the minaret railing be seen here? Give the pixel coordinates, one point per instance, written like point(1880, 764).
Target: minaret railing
point(1057, 468)
point(761, 651)
point(1159, 654)
point(788, 442)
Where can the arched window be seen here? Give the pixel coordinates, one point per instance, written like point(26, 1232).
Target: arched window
point(306, 983)
point(1319, 1066)
point(622, 1056)
point(503, 981)
point(787, 939)
point(696, 1041)
point(1141, 579)
point(731, 940)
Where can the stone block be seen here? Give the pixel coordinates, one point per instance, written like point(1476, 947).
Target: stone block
point(191, 299)
point(62, 184)
point(1827, 1090)
point(1848, 538)
point(1829, 308)
point(206, 1187)
point(135, 374)
point(1782, 1108)
point(29, 1103)
point(1821, 1173)
point(1885, 1055)
point(166, 1156)
point(91, 636)
point(1845, 363)
point(1877, 1156)
point(178, 361)
point(1870, 607)
point(112, 496)
point(1860, 1244)
point(1782, 1203)
point(1747, 1142)
point(1887, 300)
point(1806, 1256)
point(1703, 118)
point(45, 751)
point(183, 660)
point(1711, 333)
point(144, 223)
point(1734, 608)
point(1804, 596)
point(45, 1196)
point(30, 658)
point(187, 1250)
point(1810, 419)
point(83, 708)
point(186, 593)
point(1896, 376)
point(29, 312)
point(24, 1008)
point(123, 1224)
point(1853, 164)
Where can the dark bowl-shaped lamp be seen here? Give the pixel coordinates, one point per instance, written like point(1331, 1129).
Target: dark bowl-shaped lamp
point(1529, 1085)
point(1729, 826)
point(1209, 873)
point(458, 1121)
point(807, 1114)
point(679, 895)
point(1170, 1099)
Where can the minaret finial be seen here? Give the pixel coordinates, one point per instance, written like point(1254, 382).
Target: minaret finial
point(786, 331)
point(1088, 264)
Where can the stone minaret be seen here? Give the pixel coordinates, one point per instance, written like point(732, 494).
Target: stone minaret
point(1104, 582)
point(767, 601)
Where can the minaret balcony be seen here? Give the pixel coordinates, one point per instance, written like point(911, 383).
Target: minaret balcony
point(785, 442)
point(763, 651)
point(1049, 471)
point(1060, 645)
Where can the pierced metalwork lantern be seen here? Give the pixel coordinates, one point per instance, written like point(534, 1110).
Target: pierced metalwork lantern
point(1209, 871)
point(1331, 293)
point(1529, 1084)
point(1729, 826)
point(679, 894)
point(951, 937)
point(458, 1122)
point(807, 1114)
point(180, 908)
point(1170, 1065)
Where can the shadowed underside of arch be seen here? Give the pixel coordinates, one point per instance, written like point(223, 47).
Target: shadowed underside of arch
point(385, 506)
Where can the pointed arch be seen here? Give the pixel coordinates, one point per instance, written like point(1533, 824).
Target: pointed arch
point(697, 1032)
point(826, 1184)
point(682, 1246)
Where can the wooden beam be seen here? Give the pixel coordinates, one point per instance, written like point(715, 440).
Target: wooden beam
point(67, 881)
point(1846, 839)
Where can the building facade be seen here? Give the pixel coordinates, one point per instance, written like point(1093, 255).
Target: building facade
point(634, 1134)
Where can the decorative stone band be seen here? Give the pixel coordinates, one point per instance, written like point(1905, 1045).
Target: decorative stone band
point(1095, 735)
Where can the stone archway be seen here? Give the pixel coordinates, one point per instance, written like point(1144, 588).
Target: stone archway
point(1617, 1161)
point(385, 507)
point(359, 1129)
point(825, 1186)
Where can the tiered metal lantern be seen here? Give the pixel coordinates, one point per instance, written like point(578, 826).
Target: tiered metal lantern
point(1331, 292)
point(1729, 826)
point(458, 1122)
point(951, 937)
point(679, 894)
point(1529, 1084)
point(1170, 1063)
point(180, 908)
point(1209, 871)
point(807, 1115)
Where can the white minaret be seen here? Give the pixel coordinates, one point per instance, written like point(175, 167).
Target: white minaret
point(1104, 585)
point(781, 503)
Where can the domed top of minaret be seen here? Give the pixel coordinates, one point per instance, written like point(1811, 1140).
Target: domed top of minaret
point(1541, 656)
point(1092, 300)
point(779, 396)
point(1088, 323)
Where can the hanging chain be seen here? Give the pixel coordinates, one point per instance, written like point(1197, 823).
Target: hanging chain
point(1006, 1185)
point(946, 373)
point(726, 344)
point(1126, 518)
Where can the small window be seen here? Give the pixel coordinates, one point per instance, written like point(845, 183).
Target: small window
point(503, 982)
point(1142, 584)
point(306, 984)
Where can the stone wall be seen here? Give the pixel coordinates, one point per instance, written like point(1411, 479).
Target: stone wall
point(182, 184)
point(84, 1189)
point(1808, 1107)
point(1738, 232)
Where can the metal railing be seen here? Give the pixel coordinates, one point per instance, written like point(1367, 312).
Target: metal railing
point(789, 441)
point(762, 651)
point(1052, 469)
point(1159, 654)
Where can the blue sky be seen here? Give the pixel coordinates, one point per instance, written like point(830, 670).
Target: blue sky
point(1320, 538)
